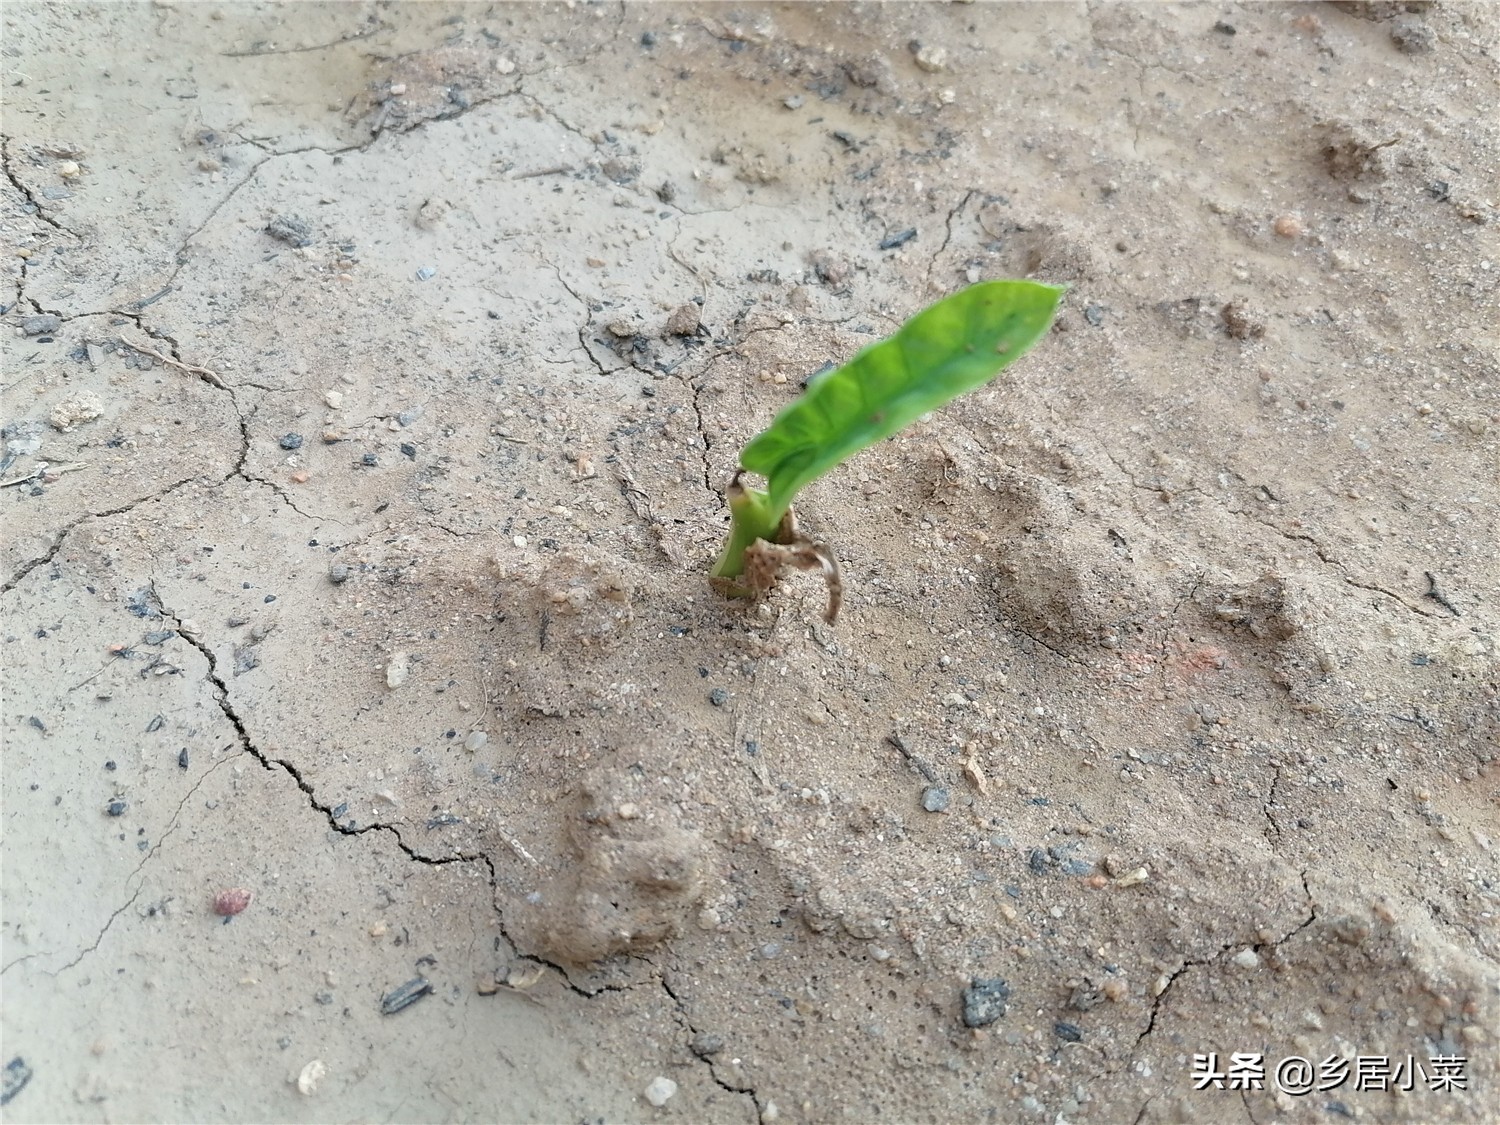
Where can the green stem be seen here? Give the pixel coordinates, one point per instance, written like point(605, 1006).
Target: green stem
point(751, 517)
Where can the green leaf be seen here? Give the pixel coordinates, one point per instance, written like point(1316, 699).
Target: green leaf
point(960, 343)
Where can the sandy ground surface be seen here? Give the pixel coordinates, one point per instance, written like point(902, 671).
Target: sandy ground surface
point(374, 375)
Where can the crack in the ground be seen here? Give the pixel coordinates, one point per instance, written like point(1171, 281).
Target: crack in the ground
point(220, 690)
point(26, 193)
point(1307, 540)
point(696, 387)
point(1273, 831)
point(953, 213)
point(1192, 963)
point(1057, 652)
point(271, 763)
point(51, 553)
point(243, 419)
point(681, 1012)
point(1328, 560)
point(377, 129)
point(583, 328)
point(1174, 622)
point(179, 256)
point(1141, 68)
point(558, 119)
point(238, 470)
point(139, 867)
point(108, 922)
point(253, 52)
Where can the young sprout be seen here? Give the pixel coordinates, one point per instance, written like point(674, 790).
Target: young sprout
point(953, 346)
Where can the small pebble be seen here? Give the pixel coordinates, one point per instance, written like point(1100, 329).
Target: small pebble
point(291, 441)
point(1410, 37)
point(338, 573)
point(1247, 959)
point(684, 320)
point(426, 273)
point(985, 1001)
point(398, 669)
point(334, 399)
point(1287, 226)
point(116, 807)
point(935, 798)
point(312, 1073)
point(291, 230)
point(706, 1044)
point(931, 59)
point(40, 325)
point(718, 697)
point(232, 901)
point(476, 741)
point(660, 1091)
point(405, 996)
point(182, 758)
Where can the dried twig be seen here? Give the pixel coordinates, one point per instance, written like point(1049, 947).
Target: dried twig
point(42, 472)
point(554, 170)
point(188, 368)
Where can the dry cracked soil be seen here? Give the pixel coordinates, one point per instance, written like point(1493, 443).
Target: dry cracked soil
point(375, 749)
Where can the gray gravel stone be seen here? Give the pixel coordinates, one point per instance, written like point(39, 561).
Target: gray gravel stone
point(706, 1044)
point(935, 798)
point(985, 1001)
point(291, 230)
point(40, 325)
